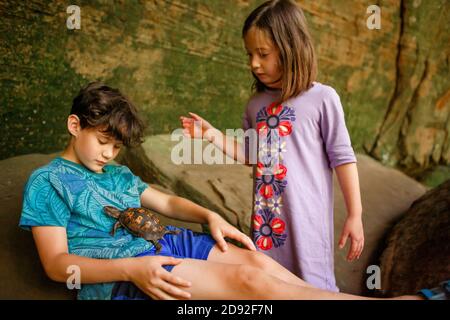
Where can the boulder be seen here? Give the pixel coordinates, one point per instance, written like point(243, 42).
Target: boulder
point(227, 189)
point(386, 194)
point(223, 188)
point(21, 274)
point(417, 254)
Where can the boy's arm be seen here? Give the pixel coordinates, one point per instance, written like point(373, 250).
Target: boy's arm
point(349, 182)
point(185, 210)
point(145, 272)
point(51, 243)
point(174, 207)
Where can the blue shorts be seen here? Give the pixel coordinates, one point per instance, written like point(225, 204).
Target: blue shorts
point(187, 244)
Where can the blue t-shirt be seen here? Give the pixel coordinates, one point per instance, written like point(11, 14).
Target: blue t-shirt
point(66, 194)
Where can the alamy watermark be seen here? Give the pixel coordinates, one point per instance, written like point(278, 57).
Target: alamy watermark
point(374, 20)
point(74, 19)
point(255, 146)
point(374, 280)
point(74, 280)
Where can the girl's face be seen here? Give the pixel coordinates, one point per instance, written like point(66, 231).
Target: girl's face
point(263, 57)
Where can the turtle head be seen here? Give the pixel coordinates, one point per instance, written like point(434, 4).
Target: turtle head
point(112, 211)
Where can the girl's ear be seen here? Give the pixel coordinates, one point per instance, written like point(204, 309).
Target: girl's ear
point(73, 125)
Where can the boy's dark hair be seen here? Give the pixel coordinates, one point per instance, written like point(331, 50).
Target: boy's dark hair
point(106, 108)
point(284, 22)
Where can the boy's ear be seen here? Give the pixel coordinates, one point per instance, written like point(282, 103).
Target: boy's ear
point(73, 125)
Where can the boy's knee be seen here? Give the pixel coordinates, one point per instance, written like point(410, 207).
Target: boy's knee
point(249, 278)
point(259, 260)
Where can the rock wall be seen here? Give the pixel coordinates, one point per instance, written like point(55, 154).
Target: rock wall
point(172, 56)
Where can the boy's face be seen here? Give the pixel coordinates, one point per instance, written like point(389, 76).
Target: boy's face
point(94, 149)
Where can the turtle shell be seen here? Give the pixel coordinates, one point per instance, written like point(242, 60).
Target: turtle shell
point(142, 222)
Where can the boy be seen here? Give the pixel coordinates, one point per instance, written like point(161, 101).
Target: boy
point(63, 207)
point(63, 204)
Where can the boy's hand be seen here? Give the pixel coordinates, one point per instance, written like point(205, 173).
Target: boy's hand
point(221, 229)
point(353, 228)
point(148, 275)
point(195, 126)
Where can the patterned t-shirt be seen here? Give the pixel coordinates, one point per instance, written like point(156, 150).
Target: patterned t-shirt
point(66, 194)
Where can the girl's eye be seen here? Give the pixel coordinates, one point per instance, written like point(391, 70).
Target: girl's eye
point(118, 146)
point(102, 142)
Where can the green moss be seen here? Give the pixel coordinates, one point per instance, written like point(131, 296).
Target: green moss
point(435, 177)
point(171, 57)
point(40, 87)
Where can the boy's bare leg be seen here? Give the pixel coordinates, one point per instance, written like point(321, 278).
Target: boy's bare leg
point(211, 280)
point(236, 255)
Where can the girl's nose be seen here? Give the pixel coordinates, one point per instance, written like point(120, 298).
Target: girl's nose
point(254, 63)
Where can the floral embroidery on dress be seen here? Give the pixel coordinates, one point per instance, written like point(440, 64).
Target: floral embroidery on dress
point(268, 230)
point(270, 179)
point(260, 203)
point(274, 123)
point(275, 204)
point(275, 118)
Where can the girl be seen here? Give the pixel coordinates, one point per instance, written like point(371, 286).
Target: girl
point(302, 138)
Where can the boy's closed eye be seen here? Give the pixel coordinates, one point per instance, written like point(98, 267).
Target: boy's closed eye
point(104, 141)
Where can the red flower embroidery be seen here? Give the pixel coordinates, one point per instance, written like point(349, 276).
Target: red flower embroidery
point(269, 181)
point(275, 117)
point(268, 230)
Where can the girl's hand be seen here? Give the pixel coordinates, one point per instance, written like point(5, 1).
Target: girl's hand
point(195, 126)
point(353, 228)
point(221, 229)
point(148, 275)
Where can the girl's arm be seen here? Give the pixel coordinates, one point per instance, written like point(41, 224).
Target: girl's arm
point(349, 182)
point(185, 210)
point(197, 127)
point(146, 272)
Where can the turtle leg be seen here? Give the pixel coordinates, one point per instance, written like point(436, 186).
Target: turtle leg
point(117, 225)
point(173, 231)
point(157, 245)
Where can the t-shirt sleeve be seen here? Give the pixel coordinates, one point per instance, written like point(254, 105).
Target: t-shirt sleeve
point(42, 205)
point(136, 181)
point(141, 185)
point(334, 131)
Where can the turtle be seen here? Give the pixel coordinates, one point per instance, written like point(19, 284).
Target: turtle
point(141, 222)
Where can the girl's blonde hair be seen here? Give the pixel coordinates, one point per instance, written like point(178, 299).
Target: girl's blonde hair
point(284, 22)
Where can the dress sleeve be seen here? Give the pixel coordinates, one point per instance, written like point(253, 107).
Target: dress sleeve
point(334, 131)
point(42, 205)
point(246, 125)
point(245, 121)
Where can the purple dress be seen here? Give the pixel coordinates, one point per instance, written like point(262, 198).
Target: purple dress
point(300, 142)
